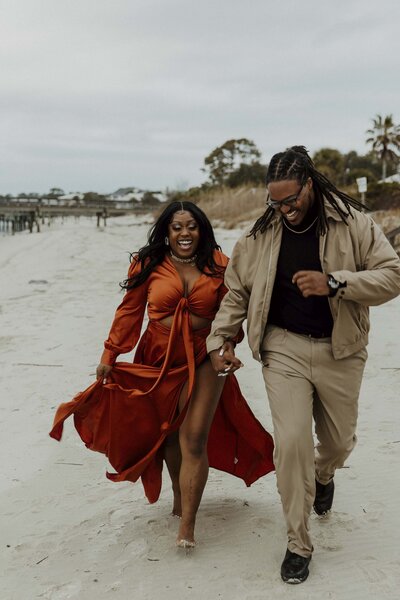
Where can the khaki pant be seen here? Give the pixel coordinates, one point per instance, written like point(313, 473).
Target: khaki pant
point(303, 381)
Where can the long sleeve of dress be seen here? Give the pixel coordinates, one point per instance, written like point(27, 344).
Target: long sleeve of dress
point(127, 324)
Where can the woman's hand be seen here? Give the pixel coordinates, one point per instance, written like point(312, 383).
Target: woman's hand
point(103, 371)
point(224, 360)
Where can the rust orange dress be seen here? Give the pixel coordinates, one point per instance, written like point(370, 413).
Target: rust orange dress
point(129, 417)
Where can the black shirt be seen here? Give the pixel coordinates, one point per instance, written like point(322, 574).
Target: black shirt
point(289, 309)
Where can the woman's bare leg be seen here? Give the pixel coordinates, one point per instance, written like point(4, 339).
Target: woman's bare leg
point(193, 436)
point(173, 459)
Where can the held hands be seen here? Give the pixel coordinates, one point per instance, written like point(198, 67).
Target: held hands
point(311, 283)
point(224, 360)
point(103, 371)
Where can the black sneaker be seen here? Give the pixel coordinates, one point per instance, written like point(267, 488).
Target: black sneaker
point(323, 497)
point(294, 568)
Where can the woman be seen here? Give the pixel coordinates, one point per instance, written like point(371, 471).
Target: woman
point(165, 405)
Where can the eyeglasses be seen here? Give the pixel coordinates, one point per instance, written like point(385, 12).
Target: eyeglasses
point(289, 202)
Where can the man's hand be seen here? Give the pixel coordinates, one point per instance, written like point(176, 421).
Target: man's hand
point(224, 360)
point(311, 283)
point(103, 371)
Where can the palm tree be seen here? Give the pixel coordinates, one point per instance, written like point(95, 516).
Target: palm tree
point(385, 140)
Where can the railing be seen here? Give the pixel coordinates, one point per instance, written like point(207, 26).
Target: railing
point(18, 220)
point(15, 218)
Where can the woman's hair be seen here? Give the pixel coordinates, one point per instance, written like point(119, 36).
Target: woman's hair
point(153, 253)
point(295, 163)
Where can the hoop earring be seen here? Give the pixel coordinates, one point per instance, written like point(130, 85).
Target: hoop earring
point(166, 240)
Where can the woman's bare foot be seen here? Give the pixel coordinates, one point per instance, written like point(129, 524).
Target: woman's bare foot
point(185, 538)
point(185, 544)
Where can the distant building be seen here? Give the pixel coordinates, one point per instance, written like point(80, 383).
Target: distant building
point(126, 195)
point(391, 179)
point(71, 196)
point(71, 199)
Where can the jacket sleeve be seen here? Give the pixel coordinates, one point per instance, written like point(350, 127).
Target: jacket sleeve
point(233, 309)
point(240, 334)
point(377, 279)
point(127, 324)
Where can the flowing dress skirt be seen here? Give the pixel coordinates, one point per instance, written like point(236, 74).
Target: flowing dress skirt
point(129, 417)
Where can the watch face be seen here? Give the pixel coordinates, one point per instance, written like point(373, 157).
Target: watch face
point(333, 283)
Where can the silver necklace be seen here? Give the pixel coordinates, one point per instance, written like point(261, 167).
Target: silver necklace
point(186, 261)
point(303, 230)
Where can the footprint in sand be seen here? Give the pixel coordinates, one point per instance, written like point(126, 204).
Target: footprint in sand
point(325, 535)
point(63, 592)
point(389, 447)
point(118, 516)
point(263, 523)
point(374, 511)
point(344, 521)
point(378, 575)
point(327, 542)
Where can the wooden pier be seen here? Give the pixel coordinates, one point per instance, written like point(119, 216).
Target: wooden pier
point(22, 217)
point(18, 220)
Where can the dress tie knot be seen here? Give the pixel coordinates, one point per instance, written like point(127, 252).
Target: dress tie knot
point(184, 304)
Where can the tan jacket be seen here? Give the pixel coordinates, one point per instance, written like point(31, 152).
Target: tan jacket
point(357, 253)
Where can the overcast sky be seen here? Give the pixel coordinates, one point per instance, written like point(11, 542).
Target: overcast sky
point(99, 94)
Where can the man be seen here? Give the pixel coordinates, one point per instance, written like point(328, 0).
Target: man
point(304, 278)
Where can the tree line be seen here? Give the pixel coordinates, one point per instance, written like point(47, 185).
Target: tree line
point(237, 161)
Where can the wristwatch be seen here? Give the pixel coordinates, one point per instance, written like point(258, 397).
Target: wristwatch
point(334, 285)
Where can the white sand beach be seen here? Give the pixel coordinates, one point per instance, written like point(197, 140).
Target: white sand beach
point(69, 533)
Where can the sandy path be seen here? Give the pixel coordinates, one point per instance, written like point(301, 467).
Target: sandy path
point(69, 533)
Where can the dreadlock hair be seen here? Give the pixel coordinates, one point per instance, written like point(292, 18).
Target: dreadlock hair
point(295, 163)
point(153, 253)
